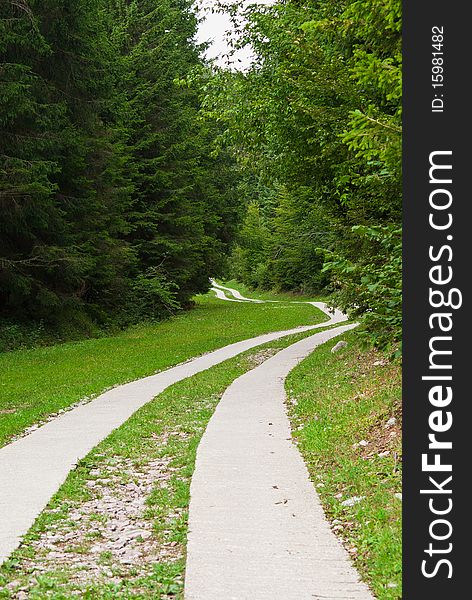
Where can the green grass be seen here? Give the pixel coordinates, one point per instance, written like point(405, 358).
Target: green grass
point(335, 402)
point(39, 382)
point(168, 428)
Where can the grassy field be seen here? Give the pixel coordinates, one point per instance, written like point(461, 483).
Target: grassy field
point(39, 382)
point(346, 416)
point(70, 552)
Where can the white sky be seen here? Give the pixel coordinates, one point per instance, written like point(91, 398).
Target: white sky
point(214, 29)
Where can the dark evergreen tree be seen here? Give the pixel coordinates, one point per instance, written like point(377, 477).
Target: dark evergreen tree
point(64, 196)
point(112, 204)
point(182, 207)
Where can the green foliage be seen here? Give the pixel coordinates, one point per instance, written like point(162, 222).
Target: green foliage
point(316, 124)
point(330, 393)
point(143, 439)
point(119, 190)
point(106, 168)
point(250, 255)
point(372, 286)
point(154, 294)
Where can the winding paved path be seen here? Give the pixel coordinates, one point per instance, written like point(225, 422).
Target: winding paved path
point(257, 530)
point(237, 295)
point(222, 296)
point(34, 467)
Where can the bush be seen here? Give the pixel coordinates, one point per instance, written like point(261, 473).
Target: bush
point(155, 296)
point(371, 287)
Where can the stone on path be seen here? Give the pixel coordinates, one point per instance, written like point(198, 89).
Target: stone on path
point(339, 346)
point(257, 530)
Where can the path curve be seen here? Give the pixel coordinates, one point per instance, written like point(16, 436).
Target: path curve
point(222, 296)
point(34, 467)
point(257, 530)
point(237, 297)
point(235, 293)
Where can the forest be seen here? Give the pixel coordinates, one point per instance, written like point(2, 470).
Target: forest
point(132, 169)
point(182, 412)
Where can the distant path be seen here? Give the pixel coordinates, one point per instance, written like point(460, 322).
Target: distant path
point(222, 296)
point(257, 530)
point(237, 295)
point(34, 467)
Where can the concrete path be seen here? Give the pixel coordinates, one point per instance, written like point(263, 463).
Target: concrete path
point(222, 296)
point(34, 467)
point(237, 295)
point(257, 530)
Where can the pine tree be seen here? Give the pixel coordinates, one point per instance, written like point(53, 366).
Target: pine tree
point(114, 205)
point(61, 177)
point(180, 228)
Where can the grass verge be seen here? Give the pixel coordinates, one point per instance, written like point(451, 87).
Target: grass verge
point(346, 417)
point(117, 527)
point(42, 381)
